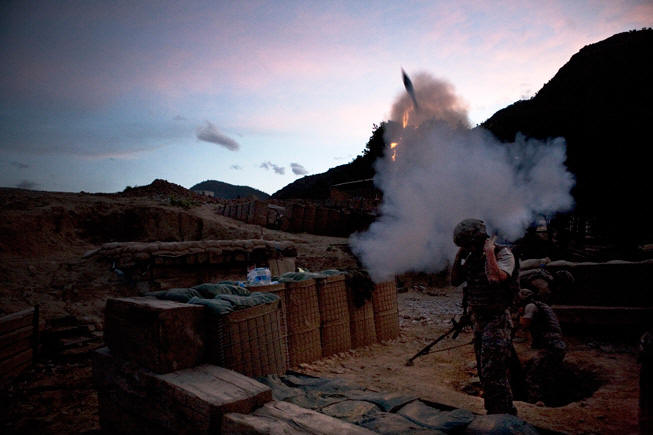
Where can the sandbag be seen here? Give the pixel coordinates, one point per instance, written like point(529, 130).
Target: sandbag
point(216, 307)
point(175, 294)
point(211, 290)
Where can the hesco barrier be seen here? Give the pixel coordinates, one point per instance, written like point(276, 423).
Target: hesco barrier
point(244, 213)
point(297, 218)
point(334, 314)
point(258, 213)
point(248, 341)
point(361, 322)
point(304, 343)
point(335, 222)
point(278, 289)
point(309, 219)
point(386, 311)
point(321, 220)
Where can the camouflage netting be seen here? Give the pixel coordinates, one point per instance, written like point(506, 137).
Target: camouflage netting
point(385, 413)
point(220, 298)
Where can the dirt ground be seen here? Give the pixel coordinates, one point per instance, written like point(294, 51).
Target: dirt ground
point(43, 237)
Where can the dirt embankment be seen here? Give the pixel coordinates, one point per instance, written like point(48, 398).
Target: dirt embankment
point(44, 235)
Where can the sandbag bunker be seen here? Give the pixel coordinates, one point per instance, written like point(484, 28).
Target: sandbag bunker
point(177, 360)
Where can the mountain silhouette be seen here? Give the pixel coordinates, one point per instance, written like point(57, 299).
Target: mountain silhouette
point(229, 191)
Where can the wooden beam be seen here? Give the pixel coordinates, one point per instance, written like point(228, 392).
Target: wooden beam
point(17, 320)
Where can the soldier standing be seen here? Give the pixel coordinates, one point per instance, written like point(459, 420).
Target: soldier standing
point(487, 271)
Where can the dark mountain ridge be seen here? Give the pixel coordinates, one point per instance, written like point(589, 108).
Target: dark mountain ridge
point(601, 102)
point(229, 191)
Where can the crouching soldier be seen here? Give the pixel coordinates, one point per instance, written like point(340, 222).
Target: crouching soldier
point(546, 286)
point(546, 334)
point(487, 270)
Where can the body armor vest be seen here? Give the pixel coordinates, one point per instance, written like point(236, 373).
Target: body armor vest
point(545, 327)
point(481, 295)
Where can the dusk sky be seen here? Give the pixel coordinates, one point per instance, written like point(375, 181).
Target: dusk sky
point(100, 95)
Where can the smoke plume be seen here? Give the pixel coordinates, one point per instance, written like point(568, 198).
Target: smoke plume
point(440, 171)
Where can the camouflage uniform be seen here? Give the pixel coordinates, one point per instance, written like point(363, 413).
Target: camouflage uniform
point(488, 304)
point(492, 335)
point(543, 369)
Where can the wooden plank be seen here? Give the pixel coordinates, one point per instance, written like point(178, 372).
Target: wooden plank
point(287, 418)
point(15, 371)
point(223, 390)
point(17, 320)
point(14, 336)
point(192, 400)
point(16, 347)
point(13, 366)
point(36, 337)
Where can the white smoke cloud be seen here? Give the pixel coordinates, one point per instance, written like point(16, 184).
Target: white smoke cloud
point(210, 133)
point(276, 168)
point(298, 169)
point(444, 172)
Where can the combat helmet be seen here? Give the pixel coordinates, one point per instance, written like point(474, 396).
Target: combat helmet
point(469, 232)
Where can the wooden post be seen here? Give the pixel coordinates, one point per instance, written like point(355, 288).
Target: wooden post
point(645, 380)
point(36, 334)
